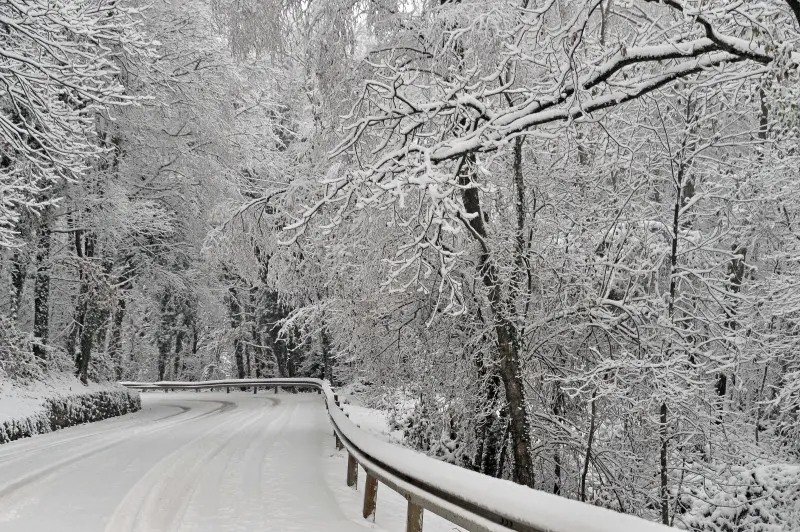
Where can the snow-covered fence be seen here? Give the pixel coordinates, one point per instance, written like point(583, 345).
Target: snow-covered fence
point(466, 498)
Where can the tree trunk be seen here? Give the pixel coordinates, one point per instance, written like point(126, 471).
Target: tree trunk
point(163, 355)
point(589, 442)
point(327, 362)
point(511, 375)
point(93, 320)
point(558, 411)
point(41, 291)
point(176, 362)
point(86, 320)
point(505, 332)
point(491, 427)
point(115, 342)
point(664, 488)
point(235, 311)
point(19, 270)
point(238, 349)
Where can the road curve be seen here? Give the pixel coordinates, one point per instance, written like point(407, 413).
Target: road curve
point(188, 462)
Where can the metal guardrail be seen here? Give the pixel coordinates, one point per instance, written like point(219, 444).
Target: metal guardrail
point(466, 498)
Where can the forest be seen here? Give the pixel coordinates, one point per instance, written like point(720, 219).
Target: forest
point(558, 240)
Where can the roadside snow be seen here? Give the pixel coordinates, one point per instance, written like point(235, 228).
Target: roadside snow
point(390, 513)
point(523, 507)
point(19, 401)
point(60, 400)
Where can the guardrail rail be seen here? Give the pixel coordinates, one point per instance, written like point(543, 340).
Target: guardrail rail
point(466, 498)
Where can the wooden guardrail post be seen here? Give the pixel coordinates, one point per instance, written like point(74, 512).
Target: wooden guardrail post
point(255, 390)
point(339, 445)
point(414, 517)
point(227, 389)
point(370, 497)
point(352, 470)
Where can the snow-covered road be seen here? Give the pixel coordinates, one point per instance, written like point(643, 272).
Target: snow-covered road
point(199, 462)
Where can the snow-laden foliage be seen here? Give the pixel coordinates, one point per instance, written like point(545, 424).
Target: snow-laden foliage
point(60, 67)
point(557, 239)
point(16, 356)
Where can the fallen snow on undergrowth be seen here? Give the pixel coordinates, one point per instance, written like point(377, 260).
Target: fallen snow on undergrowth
point(58, 400)
point(380, 422)
point(391, 509)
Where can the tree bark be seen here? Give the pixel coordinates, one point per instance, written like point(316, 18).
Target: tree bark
point(505, 331)
point(115, 342)
point(235, 310)
point(664, 478)
point(589, 442)
point(492, 426)
point(19, 270)
point(87, 319)
point(176, 361)
point(41, 291)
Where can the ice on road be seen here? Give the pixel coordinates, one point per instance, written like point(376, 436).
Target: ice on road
point(188, 462)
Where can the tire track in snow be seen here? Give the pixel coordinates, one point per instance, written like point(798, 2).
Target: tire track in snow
point(229, 491)
point(160, 497)
point(26, 450)
point(14, 493)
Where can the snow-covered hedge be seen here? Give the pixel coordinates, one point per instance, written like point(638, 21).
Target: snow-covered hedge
point(67, 409)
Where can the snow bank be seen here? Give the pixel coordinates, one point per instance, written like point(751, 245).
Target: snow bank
point(756, 498)
point(57, 402)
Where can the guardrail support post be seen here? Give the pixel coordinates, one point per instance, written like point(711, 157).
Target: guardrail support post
point(227, 389)
point(276, 390)
point(197, 390)
point(338, 442)
point(255, 390)
point(414, 517)
point(370, 497)
point(352, 470)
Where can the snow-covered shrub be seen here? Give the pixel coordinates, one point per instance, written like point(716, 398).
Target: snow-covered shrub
point(67, 410)
point(17, 361)
point(758, 498)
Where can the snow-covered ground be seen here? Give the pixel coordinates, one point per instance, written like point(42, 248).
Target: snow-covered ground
point(19, 401)
point(57, 401)
point(192, 462)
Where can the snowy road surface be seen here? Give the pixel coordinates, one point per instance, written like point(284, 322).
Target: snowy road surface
point(189, 462)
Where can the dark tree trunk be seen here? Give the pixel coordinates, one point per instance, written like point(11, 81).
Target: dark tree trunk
point(506, 336)
point(327, 361)
point(589, 443)
point(664, 488)
point(511, 374)
point(235, 310)
point(248, 353)
point(19, 270)
point(87, 318)
point(41, 291)
point(163, 355)
point(239, 355)
point(93, 321)
point(558, 411)
point(176, 362)
point(491, 427)
point(115, 342)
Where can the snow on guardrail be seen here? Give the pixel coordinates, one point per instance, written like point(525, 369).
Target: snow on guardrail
point(467, 498)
